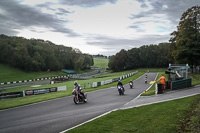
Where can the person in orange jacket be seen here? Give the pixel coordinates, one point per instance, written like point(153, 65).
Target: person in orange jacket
point(162, 81)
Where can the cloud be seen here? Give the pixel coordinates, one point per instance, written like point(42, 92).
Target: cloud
point(172, 9)
point(104, 25)
point(86, 3)
point(113, 45)
point(18, 17)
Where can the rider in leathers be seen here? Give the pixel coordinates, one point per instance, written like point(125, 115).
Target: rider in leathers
point(120, 83)
point(78, 87)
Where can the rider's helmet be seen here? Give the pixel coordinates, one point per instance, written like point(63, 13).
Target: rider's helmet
point(75, 83)
point(118, 81)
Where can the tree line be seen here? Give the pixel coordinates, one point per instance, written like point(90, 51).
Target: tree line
point(183, 47)
point(40, 55)
point(142, 57)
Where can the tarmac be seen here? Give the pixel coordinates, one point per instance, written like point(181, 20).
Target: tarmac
point(167, 95)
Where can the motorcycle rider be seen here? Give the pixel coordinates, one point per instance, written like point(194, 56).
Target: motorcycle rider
point(120, 83)
point(78, 87)
point(131, 82)
point(146, 79)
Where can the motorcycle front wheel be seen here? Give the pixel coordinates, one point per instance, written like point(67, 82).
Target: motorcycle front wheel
point(76, 101)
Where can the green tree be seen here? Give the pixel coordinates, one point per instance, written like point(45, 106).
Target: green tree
point(40, 55)
point(186, 40)
point(119, 61)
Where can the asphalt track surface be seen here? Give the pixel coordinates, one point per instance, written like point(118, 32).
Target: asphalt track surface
point(57, 115)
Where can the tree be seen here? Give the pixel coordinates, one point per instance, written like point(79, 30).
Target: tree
point(119, 61)
point(40, 55)
point(186, 40)
point(145, 56)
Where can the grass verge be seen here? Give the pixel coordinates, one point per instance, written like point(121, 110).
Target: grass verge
point(161, 117)
point(151, 91)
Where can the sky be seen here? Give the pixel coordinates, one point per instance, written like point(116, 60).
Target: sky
point(94, 26)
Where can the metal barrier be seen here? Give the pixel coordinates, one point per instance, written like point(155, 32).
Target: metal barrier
point(180, 84)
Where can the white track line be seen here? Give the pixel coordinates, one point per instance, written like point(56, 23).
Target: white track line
point(89, 120)
point(159, 101)
point(141, 93)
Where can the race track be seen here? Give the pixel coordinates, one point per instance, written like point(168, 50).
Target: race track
point(60, 114)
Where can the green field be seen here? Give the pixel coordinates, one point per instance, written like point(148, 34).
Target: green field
point(101, 62)
point(9, 74)
point(166, 117)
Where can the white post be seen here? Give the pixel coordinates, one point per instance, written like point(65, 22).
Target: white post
point(156, 89)
point(186, 71)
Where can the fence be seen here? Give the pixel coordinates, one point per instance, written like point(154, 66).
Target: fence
point(96, 84)
point(180, 84)
point(31, 92)
point(38, 79)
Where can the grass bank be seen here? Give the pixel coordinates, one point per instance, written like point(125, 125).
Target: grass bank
point(161, 117)
point(9, 74)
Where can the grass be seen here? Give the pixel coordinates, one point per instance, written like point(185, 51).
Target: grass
point(9, 74)
point(101, 62)
point(191, 122)
point(195, 78)
point(161, 117)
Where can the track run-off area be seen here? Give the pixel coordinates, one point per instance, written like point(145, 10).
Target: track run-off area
point(60, 114)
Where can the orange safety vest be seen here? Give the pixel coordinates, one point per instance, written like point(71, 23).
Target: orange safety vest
point(162, 80)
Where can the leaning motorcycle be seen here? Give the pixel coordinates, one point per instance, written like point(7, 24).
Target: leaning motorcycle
point(120, 89)
point(78, 97)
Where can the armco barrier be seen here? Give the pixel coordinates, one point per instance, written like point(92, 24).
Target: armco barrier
point(31, 92)
point(180, 84)
point(115, 79)
point(108, 81)
point(102, 82)
point(24, 81)
point(11, 95)
point(96, 84)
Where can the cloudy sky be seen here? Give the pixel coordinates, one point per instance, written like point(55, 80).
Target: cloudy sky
point(93, 26)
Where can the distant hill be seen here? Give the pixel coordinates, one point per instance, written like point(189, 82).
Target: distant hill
point(99, 56)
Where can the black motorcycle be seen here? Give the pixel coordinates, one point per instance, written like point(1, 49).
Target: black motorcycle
point(78, 97)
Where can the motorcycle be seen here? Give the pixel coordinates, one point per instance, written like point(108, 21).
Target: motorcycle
point(78, 97)
point(120, 89)
point(131, 85)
